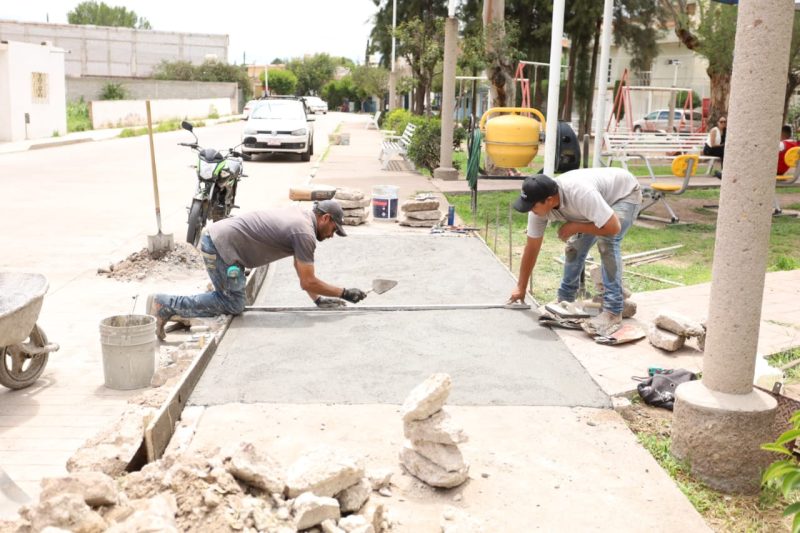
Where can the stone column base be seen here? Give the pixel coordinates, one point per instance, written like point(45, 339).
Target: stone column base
point(719, 436)
point(447, 174)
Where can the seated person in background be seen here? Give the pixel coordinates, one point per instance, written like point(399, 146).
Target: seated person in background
point(715, 142)
point(786, 144)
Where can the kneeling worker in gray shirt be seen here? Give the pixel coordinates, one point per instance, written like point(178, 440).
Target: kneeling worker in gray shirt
point(251, 240)
point(595, 205)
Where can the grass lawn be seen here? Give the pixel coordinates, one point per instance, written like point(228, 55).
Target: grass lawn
point(689, 265)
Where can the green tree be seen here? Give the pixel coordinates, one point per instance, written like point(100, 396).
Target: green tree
point(421, 42)
point(793, 80)
point(370, 81)
point(312, 72)
point(337, 91)
point(207, 71)
point(281, 81)
point(102, 14)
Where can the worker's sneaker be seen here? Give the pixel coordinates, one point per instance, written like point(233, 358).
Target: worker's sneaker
point(153, 308)
point(604, 324)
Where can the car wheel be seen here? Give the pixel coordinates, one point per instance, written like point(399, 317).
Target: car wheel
point(637, 129)
point(311, 146)
point(306, 156)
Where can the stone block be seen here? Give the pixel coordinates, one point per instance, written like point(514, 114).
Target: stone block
point(356, 524)
point(437, 428)
point(426, 398)
point(374, 514)
point(428, 471)
point(420, 205)
point(66, 511)
point(354, 221)
point(324, 472)
point(256, 469)
point(329, 526)
point(344, 193)
point(310, 510)
point(448, 456)
point(414, 223)
point(424, 215)
point(96, 488)
point(679, 324)
point(666, 340)
point(353, 204)
point(353, 498)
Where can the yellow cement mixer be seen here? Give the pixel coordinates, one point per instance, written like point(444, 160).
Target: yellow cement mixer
point(511, 139)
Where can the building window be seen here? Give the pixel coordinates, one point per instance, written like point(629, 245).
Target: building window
point(610, 69)
point(39, 87)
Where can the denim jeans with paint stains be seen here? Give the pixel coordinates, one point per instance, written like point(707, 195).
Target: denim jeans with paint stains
point(227, 297)
point(577, 249)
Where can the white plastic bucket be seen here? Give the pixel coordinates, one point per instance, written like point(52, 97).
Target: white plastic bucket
point(384, 202)
point(129, 351)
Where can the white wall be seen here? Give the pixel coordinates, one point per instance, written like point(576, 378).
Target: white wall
point(48, 113)
point(121, 113)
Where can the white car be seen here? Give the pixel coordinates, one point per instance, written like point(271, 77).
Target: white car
point(249, 107)
point(280, 126)
point(316, 104)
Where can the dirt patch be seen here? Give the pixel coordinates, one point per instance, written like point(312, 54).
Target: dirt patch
point(183, 259)
point(723, 512)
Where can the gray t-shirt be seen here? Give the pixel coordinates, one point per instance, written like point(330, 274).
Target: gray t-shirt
point(586, 195)
point(259, 237)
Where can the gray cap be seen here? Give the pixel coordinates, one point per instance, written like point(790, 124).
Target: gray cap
point(332, 208)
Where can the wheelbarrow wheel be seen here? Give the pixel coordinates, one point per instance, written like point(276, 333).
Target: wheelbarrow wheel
point(18, 370)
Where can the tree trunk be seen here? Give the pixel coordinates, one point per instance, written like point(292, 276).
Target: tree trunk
point(566, 113)
point(419, 99)
point(587, 123)
point(791, 84)
point(720, 92)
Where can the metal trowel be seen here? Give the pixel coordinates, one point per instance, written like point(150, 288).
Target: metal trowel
point(379, 286)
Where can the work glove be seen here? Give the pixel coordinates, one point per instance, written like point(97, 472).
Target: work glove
point(323, 302)
point(353, 295)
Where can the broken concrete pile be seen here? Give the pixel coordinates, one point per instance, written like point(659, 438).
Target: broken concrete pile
point(669, 331)
point(431, 452)
point(238, 489)
point(142, 264)
point(421, 213)
point(354, 204)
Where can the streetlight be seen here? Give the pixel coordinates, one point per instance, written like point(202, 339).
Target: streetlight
point(392, 79)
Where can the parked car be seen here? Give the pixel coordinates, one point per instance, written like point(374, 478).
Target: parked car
point(658, 121)
point(316, 104)
point(280, 125)
point(249, 107)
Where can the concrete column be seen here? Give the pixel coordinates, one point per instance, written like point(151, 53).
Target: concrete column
point(602, 83)
point(445, 170)
point(553, 88)
point(721, 421)
point(392, 90)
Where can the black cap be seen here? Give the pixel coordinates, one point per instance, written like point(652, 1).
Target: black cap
point(535, 189)
point(332, 208)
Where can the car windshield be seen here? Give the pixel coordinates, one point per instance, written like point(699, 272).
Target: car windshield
point(279, 110)
point(313, 100)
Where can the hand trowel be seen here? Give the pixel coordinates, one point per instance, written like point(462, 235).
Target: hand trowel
point(379, 286)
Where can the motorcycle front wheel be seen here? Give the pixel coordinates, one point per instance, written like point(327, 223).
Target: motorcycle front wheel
point(197, 219)
point(17, 370)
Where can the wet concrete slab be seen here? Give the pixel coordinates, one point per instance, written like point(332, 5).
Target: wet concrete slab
point(497, 356)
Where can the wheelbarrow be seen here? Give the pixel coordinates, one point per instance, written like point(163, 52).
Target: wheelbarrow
point(24, 349)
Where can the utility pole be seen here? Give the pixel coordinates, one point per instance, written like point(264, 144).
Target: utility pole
point(720, 421)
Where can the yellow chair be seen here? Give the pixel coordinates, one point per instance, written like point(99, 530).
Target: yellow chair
point(791, 157)
point(683, 166)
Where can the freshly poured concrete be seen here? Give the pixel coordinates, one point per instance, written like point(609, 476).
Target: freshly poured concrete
point(495, 356)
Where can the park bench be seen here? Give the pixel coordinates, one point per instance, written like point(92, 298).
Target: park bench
point(651, 148)
point(396, 145)
point(373, 121)
point(791, 158)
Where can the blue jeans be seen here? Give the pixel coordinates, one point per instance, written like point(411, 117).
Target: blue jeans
point(577, 249)
point(228, 295)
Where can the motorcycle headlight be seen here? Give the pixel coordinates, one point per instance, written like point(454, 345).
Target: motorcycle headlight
point(301, 131)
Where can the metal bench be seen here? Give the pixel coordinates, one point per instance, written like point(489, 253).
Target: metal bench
point(396, 145)
point(791, 158)
point(373, 121)
point(649, 148)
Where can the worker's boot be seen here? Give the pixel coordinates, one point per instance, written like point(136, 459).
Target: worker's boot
point(604, 324)
point(153, 309)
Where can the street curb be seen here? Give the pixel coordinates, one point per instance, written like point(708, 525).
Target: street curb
point(38, 146)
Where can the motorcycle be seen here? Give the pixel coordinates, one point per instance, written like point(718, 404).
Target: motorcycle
point(218, 174)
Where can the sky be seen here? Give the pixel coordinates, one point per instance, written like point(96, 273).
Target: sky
point(259, 31)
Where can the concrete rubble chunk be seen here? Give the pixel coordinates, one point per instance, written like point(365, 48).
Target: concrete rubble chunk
point(679, 324)
point(154, 514)
point(310, 510)
point(324, 472)
point(427, 398)
point(420, 205)
point(448, 456)
point(379, 477)
point(439, 427)
point(344, 193)
point(257, 469)
point(374, 514)
point(425, 215)
point(329, 526)
point(356, 524)
point(353, 204)
point(414, 223)
point(666, 340)
point(66, 511)
point(96, 488)
point(353, 498)
point(428, 471)
point(112, 449)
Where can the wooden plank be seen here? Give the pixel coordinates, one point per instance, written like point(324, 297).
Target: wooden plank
point(157, 434)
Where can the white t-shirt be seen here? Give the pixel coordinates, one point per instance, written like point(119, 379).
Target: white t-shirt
point(586, 195)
